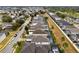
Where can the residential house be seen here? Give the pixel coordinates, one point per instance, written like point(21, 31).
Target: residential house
point(2, 36)
point(32, 48)
point(6, 26)
point(76, 21)
point(36, 44)
point(36, 26)
point(63, 24)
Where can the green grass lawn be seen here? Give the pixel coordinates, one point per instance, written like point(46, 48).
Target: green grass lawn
point(19, 46)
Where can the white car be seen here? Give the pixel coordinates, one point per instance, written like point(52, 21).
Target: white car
point(55, 49)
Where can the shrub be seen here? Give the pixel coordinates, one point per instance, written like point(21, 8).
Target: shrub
point(20, 22)
point(61, 50)
point(52, 27)
point(26, 29)
point(62, 38)
point(61, 15)
point(65, 45)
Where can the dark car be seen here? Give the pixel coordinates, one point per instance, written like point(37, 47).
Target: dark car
point(15, 35)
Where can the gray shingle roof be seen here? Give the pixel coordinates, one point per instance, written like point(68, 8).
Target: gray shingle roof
point(36, 27)
point(1, 33)
point(39, 39)
point(32, 48)
point(28, 48)
point(42, 49)
point(39, 31)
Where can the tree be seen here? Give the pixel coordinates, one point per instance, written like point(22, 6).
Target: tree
point(32, 15)
point(26, 16)
point(62, 38)
point(6, 18)
point(26, 28)
point(52, 27)
point(20, 14)
point(7, 33)
point(61, 50)
point(19, 43)
point(15, 26)
point(65, 45)
point(60, 15)
point(20, 22)
point(42, 12)
point(46, 18)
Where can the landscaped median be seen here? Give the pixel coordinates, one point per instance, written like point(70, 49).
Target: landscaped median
point(62, 40)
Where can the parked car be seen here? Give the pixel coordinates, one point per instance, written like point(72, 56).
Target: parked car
point(55, 49)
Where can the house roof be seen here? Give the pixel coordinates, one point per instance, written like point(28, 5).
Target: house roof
point(40, 39)
point(6, 24)
point(63, 22)
point(36, 27)
point(74, 30)
point(42, 49)
point(77, 35)
point(39, 22)
point(39, 31)
point(1, 33)
point(32, 48)
point(28, 48)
